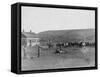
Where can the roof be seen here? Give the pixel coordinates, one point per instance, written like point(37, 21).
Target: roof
point(29, 35)
point(23, 36)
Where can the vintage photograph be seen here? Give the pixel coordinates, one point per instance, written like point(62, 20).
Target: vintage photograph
point(54, 38)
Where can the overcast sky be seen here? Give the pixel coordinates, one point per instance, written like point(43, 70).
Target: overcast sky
point(40, 19)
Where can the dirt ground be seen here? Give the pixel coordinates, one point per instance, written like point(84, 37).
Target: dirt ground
point(74, 57)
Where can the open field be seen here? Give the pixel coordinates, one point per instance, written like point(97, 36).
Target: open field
point(74, 57)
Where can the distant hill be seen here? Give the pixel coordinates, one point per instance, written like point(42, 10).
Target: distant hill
point(64, 35)
point(68, 35)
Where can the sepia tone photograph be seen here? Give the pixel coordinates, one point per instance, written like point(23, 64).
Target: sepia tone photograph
point(54, 38)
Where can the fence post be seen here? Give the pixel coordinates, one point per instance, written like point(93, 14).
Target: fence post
point(38, 51)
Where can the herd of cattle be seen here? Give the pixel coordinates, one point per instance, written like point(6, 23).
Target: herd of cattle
point(60, 45)
point(72, 44)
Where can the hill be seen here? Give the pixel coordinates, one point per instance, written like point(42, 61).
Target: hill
point(68, 35)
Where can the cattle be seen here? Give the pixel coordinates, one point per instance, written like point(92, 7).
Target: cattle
point(61, 45)
point(71, 44)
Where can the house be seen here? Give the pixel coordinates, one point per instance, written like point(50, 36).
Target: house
point(29, 39)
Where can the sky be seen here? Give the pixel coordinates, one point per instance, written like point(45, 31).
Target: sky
point(38, 19)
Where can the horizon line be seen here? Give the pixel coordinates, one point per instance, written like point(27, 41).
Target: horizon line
point(55, 30)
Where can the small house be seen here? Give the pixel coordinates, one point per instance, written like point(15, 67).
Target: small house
point(29, 39)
